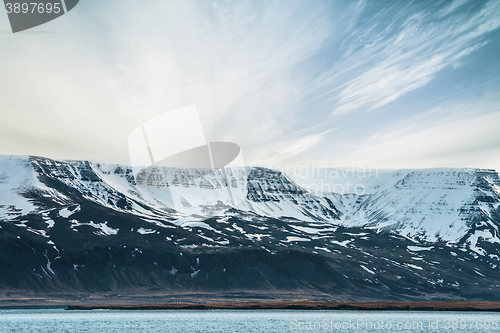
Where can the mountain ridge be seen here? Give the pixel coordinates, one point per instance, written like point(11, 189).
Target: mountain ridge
point(80, 227)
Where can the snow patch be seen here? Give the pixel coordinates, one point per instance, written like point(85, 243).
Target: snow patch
point(143, 231)
point(343, 243)
point(366, 269)
point(194, 224)
point(257, 237)
point(296, 239)
point(312, 230)
point(419, 248)
point(322, 249)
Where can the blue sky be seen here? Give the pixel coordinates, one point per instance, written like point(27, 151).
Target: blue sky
point(391, 84)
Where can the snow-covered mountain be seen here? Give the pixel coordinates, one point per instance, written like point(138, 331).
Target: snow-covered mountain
point(409, 233)
point(452, 205)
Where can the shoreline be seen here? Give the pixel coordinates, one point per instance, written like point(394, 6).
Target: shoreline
point(307, 305)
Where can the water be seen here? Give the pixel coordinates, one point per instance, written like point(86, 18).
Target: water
point(58, 320)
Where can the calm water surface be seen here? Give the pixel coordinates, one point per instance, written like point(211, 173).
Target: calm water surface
point(58, 320)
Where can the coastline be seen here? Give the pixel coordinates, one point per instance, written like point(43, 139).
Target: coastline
point(307, 305)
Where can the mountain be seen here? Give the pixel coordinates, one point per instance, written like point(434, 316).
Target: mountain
point(76, 230)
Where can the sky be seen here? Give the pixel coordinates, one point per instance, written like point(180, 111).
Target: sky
point(387, 84)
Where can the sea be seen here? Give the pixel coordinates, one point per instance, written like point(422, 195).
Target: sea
point(259, 321)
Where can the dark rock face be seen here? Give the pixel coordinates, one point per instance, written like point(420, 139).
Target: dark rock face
point(90, 230)
point(265, 185)
point(270, 185)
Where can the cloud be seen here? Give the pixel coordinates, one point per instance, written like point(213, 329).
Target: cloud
point(290, 152)
point(263, 74)
point(410, 54)
point(386, 83)
point(460, 135)
point(119, 63)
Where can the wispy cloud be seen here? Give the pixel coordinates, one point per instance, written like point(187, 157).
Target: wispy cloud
point(266, 75)
point(121, 63)
point(290, 152)
point(409, 54)
point(460, 135)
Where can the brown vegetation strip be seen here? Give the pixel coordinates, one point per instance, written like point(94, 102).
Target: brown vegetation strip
point(401, 306)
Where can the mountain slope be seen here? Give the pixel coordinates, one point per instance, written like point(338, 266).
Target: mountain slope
point(72, 227)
